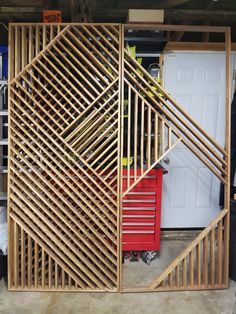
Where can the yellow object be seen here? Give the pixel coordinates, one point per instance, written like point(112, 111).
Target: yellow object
point(126, 161)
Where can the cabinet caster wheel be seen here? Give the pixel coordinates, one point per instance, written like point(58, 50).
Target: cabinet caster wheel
point(148, 256)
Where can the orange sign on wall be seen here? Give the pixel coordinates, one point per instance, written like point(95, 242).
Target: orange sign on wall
point(51, 16)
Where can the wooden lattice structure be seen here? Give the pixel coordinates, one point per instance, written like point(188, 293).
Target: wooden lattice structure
point(69, 128)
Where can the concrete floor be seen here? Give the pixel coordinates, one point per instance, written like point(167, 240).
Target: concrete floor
point(135, 273)
point(196, 302)
point(140, 274)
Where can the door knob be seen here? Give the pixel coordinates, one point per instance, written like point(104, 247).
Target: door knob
point(166, 160)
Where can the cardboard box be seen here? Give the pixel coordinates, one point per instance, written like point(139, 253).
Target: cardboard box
point(145, 16)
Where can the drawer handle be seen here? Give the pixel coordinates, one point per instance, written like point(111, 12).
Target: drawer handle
point(137, 224)
point(138, 216)
point(141, 193)
point(139, 201)
point(138, 232)
point(139, 208)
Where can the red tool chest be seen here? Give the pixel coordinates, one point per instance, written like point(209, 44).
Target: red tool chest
point(141, 214)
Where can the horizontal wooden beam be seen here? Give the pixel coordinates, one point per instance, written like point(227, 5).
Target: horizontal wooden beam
point(178, 28)
point(197, 46)
point(201, 14)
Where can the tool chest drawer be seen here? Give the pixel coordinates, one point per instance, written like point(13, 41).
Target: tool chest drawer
point(141, 213)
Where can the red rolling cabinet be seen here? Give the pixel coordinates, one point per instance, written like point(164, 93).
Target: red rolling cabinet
point(141, 214)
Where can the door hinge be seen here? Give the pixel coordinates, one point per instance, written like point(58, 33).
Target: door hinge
point(234, 74)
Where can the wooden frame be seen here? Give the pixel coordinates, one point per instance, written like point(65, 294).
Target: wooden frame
point(200, 265)
point(67, 85)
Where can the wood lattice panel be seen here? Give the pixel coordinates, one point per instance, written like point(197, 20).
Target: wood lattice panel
point(64, 117)
point(78, 103)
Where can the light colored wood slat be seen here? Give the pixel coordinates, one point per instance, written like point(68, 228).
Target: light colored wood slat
point(205, 261)
point(30, 45)
point(212, 257)
point(156, 137)
point(69, 282)
point(23, 48)
point(43, 268)
point(51, 32)
point(177, 276)
point(22, 237)
point(63, 278)
point(199, 264)
point(29, 261)
point(37, 40)
point(56, 275)
point(219, 253)
point(128, 136)
point(17, 51)
point(191, 268)
point(136, 112)
point(184, 273)
point(16, 255)
point(44, 34)
point(142, 139)
point(148, 149)
point(170, 280)
point(36, 264)
point(49, 271)
point(189, 248)
point(169, 137)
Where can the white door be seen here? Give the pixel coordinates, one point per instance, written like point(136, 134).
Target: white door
point(190, 191)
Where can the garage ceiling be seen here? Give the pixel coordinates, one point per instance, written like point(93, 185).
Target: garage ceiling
point(189, 12)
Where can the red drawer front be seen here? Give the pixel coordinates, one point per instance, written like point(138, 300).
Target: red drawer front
point(141, 213)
